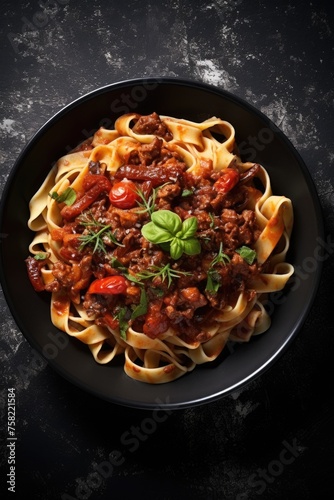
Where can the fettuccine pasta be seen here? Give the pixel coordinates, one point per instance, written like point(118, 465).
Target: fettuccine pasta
point(158, 244)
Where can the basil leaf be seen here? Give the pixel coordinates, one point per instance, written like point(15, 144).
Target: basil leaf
point(156, 234)
point(68, 196)
point(141, 308)
point(167, 220)
point(191, 246)
point(176, 248)
point(213, 282)
point(167, 229)
point(189, 228)
point(165, 246)
point(248, 254)
point(122, 321)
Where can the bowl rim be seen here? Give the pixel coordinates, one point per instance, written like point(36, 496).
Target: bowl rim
point(240, 102)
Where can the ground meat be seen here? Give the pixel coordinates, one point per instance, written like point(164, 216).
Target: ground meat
point(152, 124)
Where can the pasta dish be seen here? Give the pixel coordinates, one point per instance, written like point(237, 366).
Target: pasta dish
point(157, 243)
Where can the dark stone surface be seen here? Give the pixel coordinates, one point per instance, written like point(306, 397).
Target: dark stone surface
point(272, 440)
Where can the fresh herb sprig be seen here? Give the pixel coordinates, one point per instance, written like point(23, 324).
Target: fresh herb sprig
point(147, 205)
point(166, 273)
point(96, 233)
point(213, 278)
point(167, 229)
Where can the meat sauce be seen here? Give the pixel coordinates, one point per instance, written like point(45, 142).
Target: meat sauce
point(184, 303)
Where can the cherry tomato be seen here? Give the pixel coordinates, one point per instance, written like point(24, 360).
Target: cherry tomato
point(111, 285)
point(124, 194)
point(228, 179)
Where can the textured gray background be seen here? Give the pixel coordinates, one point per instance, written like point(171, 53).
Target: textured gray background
point(279, 57)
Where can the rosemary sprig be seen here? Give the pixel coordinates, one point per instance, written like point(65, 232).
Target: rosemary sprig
point(148, 205)
point(96, 234)
point(165, 272)
point(213, 278)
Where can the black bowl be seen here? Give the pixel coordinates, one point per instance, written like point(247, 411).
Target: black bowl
point(259, 140)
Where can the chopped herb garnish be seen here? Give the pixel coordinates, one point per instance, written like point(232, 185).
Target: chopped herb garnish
point(41, 256)
point(141, 308)
point(213, 278)
point(96, 234)
point(122, 321)
point(248, 254)
point(186, 192)
point(68, 196)
point(213, 281)
point(165, 273)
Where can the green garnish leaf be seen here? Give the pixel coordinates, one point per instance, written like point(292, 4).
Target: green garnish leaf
point(122, 321)
point(141, 308)
point(176, 248)
point(41, 256)
point(189, 228)
point(213, 282)
point(167, 229)
point(248, 254)
point(68, 196)
point(167, 220)
point(191, 246)
point(186, 192)
point(156, 234)
point(213, 278)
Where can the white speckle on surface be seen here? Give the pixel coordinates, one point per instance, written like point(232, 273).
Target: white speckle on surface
point(11, 336)
point(114, 61)
point(321, 23)
point(303, 134)
point(246, 408)
point(211, 72)
point(108, 57)
point(7, 125)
